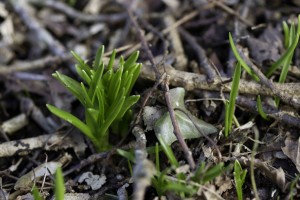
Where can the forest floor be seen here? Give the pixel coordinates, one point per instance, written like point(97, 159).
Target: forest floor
point(181, 44)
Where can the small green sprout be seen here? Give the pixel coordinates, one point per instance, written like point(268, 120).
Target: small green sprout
point(260, 109)
point(239, 179)
point(59, 185)
point(105, 95)
point(36, 194)
point(240, 59)
point(291, 41)
point(230, 106)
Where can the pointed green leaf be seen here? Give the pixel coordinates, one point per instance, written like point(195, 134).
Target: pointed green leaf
point(286, 32)
point(288, 52)
point(59, 185)
point(112, 114)
point(115, 84)
point(98, 58)
point(131, 60)
point(88, 101)
point(73, 86)
point(240, 60)
point(260, 109)
point(127, 84)
point(36, 194)
point(135, 73)
point(129, 155)
point(81, 63)
point(213, 172)
point(96, 81)
point(82, 74)
point(233, 94)
point(72, 120)
point(130, 101)
point(168, 151)
point(106, 79)
point(111, 60)
point(101, 105)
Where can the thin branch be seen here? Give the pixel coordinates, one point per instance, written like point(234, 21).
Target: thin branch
point(203, 134)
point(74, 14)
point(177, 132)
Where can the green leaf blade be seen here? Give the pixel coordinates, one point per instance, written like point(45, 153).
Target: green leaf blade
point(240, 60)
point(59, 185)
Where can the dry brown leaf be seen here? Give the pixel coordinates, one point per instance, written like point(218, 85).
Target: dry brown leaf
point(292, 150)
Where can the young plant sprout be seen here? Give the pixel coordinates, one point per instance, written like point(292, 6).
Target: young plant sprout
point(105, 95)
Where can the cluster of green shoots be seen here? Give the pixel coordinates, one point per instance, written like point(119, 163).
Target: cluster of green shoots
point(105, 96)
point(291, 38)
point(183, 184)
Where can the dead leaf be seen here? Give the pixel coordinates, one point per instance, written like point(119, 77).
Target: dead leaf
point(292, 150)
point(224, 183)
point(93, 180)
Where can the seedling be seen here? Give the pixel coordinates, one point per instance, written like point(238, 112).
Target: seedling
point(260, 109)
point(105, 95)
point(239, 179)
point(59, 185)
point(291, 41)
point(230, 106)
point(240, 59)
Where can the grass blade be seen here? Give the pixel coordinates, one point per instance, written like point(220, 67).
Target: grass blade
point(82, 63)
point(213, 172)
point(239, 178)
point(240, 60)
point(71, 119)
point(168, 151)
point(98, 58)
point(260, 109)
point(130, 101)
point(36, 194)
point(82, 74)
point(73, 86)
point(131, 60)
point(233, 94)
point(114, 85)
point(289, 52)
point(59, 185)
point(111, 60)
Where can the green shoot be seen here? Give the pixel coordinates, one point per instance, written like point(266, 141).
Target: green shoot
point(105, 95)
point(291, 43)
point(291, 37)
point(239, 179)
point(286, 33)
point(260, 109)
point(168, 151)
point(213, 172)
point(36, 194)
point(240, 60)
point(204, 174)
point(129, 155)
point(59, 185)
point(230, 107)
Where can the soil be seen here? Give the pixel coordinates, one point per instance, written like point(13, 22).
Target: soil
point(181, 44)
